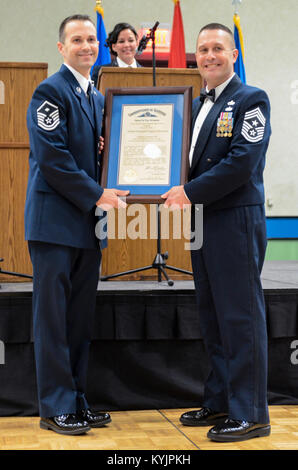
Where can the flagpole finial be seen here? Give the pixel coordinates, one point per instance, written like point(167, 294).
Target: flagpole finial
point(98, 7)
point(236, 3)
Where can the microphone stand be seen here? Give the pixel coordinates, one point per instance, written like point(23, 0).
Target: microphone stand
point(143, 44)
point(152, 36)
point(10, 273)
point(159, 261)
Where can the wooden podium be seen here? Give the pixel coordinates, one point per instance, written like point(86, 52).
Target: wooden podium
point(17, 84)
point(125, 254)
point(115, 77)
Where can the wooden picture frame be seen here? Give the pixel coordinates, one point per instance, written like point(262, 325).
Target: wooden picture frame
point(147, 138)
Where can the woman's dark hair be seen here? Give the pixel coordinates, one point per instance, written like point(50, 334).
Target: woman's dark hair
point(113, 35)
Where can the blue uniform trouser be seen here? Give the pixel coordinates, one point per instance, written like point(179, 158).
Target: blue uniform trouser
point(232, 311)
point(64, 294)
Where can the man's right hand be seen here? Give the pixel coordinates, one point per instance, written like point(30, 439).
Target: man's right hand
point(110, 199)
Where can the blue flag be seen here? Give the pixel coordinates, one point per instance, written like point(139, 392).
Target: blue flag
point(103, 51)
point(239, 64)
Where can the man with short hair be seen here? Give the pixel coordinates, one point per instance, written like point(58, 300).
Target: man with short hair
point(64, 122)
point(230, 136)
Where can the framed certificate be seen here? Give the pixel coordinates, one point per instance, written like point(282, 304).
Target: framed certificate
point(147, 133)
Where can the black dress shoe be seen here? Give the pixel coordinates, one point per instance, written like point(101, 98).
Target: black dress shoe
point(95, 419)
point(65, 424)
point(203, 417)
point(233, 431)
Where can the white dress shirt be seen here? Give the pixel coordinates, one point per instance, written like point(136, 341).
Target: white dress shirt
point(124, 64)
point(207, 105)
point(83, 81)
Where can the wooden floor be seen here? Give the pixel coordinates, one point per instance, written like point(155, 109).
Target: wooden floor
point(146, 430)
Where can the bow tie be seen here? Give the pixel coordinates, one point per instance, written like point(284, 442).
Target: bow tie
point(210, 95)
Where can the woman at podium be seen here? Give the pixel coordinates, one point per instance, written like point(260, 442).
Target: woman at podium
point(123, 44)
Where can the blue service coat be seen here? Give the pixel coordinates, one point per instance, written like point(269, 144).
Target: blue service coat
point(64, 129)
point(227, 171)
point(226, 176)
point(64, 163)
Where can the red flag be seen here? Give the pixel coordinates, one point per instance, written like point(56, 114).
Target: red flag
point(177, 58)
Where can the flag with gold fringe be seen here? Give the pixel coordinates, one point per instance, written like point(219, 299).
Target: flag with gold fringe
point(103, 52)
point(177, 57)
point(238, 36)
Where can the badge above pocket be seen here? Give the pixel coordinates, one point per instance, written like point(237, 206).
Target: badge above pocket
point(225, 125)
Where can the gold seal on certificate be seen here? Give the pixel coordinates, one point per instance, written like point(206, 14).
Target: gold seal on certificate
point(145, 144)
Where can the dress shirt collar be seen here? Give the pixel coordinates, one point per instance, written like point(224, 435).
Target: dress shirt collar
point(83, 81)
point(220, 88)
point(123, 64)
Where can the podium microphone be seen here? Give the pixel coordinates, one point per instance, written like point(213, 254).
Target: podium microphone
point(146, 38)
point(142, 45)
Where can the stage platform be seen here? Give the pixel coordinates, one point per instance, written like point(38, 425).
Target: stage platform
point(147, 350)
point(276, 276)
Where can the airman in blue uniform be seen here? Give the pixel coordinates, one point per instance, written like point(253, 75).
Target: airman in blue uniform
point(64, 123)
point(230, 136)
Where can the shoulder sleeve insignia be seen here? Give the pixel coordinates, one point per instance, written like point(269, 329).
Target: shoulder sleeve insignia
point(48, 116)
point(253, 126)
